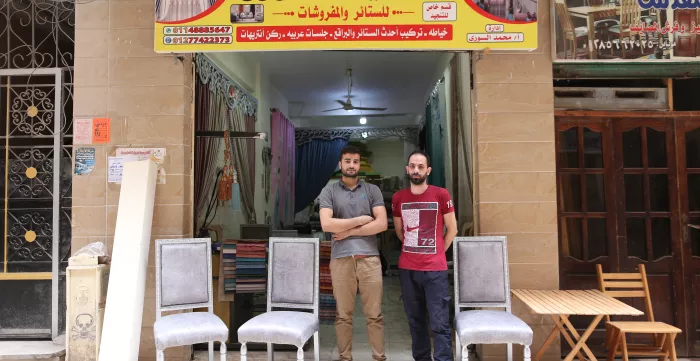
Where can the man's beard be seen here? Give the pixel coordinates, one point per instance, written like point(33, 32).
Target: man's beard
point(418, 181)
point(348, 175)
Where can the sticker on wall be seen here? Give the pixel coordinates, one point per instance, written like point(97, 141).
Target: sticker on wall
point(82, 131)
point(157, 155)
point(84, 161)
point(100, 131)
point(115, 168)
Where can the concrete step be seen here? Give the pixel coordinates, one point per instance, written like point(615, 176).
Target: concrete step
point(33, 350)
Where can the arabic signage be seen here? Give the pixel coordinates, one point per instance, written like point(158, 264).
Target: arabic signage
point(627, 30)
point(258, 25)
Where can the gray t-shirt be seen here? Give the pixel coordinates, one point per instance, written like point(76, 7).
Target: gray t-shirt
point(346, 204)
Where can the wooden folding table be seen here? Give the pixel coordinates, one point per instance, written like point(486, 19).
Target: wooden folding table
point(560, 305)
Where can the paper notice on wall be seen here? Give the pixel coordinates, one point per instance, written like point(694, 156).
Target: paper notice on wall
point(101, 130)
point(84, 161)
point(115, 168)
point(157, 155)
point(82, 131)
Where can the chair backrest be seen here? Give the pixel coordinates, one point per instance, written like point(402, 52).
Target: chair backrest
point(630, 14)
point(183, 274)
point(284, 233)
point(567, 25)
point(481, 272)
point(293, 273)
point(626, 285)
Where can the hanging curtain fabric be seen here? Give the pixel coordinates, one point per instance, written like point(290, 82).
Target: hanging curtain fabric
point(224, 193)
point(434, 113)
point(210, 113)
point(244, 163)
point(316, 161)
point(221, 104)
point(178, 10)
point(283, 167)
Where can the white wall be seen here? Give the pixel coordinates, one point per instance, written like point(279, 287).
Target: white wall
point(254, 79)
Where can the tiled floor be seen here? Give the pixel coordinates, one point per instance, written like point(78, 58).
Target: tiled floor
point(397, 336)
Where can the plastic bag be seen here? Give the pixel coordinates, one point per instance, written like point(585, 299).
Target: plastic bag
point(95, 249)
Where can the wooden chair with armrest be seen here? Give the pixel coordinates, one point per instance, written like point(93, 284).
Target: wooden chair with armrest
point(635, 285)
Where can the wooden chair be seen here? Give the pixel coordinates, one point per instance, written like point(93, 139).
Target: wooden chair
point(635, 285)
point(630, 15)
point(572, 35)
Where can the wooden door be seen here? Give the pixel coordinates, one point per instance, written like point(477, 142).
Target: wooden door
point(687, 42)
point(618, 206)
point(688, 140)
point(648, 215)
point(586, 203)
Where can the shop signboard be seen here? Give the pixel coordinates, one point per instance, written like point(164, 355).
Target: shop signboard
point(626, 30)
point(259, 25)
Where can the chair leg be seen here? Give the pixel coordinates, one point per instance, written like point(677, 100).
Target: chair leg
point(244, 352)
point(160, 356)
point(270, 352)
point(211, 351)
point(526, 353)
point(509, 351)
point(465, 353)
point(222, 351)
point(300, 354)
point(317, 347)
point(458, 348)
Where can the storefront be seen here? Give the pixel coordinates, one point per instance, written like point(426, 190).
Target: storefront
point(149, 101)
point(627, 144)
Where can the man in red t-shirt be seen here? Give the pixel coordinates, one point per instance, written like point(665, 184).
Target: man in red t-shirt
point(420, 214)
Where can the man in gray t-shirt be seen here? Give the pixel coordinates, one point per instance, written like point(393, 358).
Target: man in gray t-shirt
point(354, 212)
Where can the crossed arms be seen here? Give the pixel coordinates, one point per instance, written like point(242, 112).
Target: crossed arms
point(358, 226)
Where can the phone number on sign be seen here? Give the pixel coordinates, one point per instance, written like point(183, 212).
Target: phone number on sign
point(182, 40)
point(186, 30)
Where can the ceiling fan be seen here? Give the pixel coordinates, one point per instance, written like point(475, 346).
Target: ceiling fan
point(347, 105)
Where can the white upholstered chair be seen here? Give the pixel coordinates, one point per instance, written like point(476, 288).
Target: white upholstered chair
point(481, 281)
point(183, 282)
point(292, 283)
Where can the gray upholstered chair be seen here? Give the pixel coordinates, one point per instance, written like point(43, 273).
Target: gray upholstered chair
point(183, 281)
point(481, 281)
point(292, 283)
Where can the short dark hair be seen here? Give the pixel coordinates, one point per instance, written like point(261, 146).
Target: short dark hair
point(419, 152)
point(348, 149)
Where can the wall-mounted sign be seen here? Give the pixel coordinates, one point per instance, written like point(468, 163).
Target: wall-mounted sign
point(627, 30)
point(245, 25)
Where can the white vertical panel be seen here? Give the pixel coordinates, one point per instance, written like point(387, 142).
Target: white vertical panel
point(121, 332)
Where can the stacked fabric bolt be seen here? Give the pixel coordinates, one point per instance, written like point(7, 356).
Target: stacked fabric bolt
point(251, 266)
point(326, 299)
point(228, 261)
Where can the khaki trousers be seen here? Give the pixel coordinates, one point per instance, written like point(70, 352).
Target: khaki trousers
point(348, 274)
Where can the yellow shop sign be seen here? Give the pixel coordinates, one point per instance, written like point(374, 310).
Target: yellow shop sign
point(259, 25)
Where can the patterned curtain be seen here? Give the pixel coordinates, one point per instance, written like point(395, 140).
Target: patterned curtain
point(210, 113)
point(283, 175)
point(221, 104)
point(244, 161)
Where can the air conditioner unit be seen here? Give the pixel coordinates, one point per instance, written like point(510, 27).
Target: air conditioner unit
point(589, 98)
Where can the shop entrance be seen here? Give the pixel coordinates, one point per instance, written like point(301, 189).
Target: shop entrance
point(628, 193)
point(310, 105)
